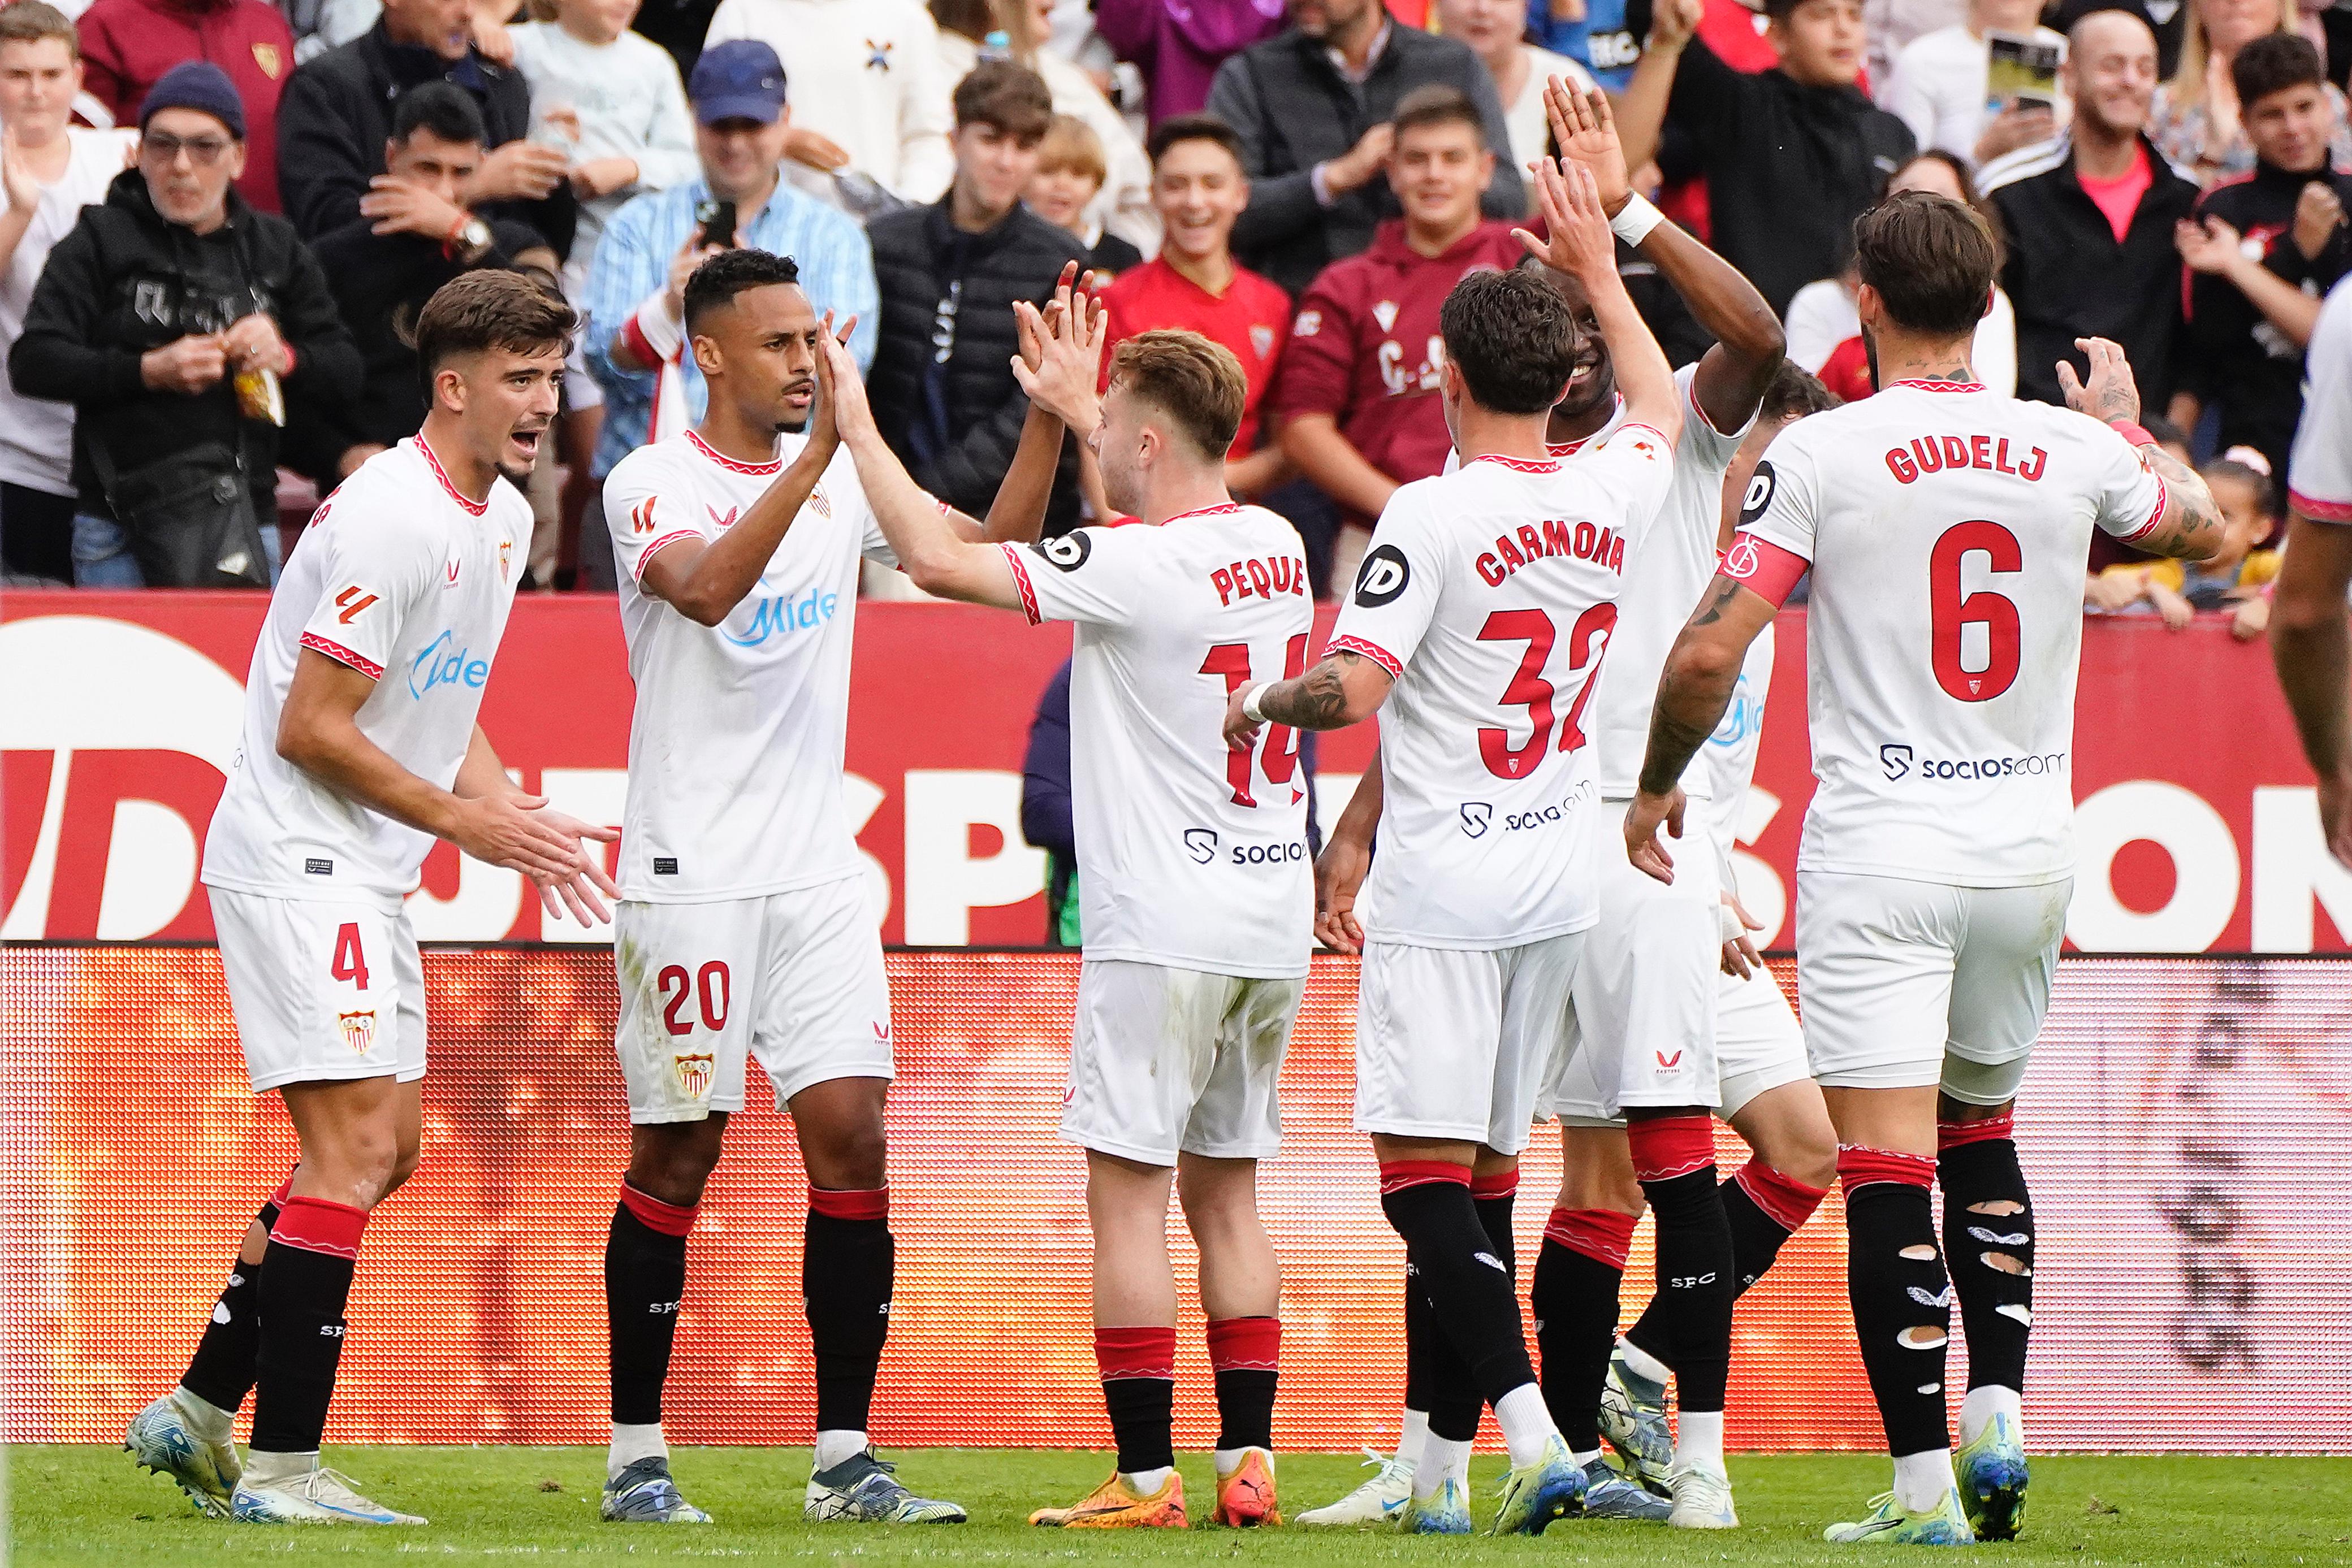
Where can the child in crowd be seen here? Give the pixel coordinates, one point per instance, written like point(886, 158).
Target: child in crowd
point(612, 99)
point(2238, 579)
point(1071, 169)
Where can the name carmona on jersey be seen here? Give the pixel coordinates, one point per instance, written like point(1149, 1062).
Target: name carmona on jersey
point(1935, 454)
point(1601, 545)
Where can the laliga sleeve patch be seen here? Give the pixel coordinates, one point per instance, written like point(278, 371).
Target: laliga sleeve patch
point(1067, 553)
point(1382, 577)
point(1759, 493)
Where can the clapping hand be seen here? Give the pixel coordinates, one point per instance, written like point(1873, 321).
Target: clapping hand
point(838, 386)
point(1070, 334)
point(1579, 241)
point(1587, 133)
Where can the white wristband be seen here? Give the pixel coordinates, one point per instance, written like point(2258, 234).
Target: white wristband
point(1249, 702)
point(1635, 219)
point(664, 333)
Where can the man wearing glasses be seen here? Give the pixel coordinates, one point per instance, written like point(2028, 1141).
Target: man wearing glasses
point(146, 318)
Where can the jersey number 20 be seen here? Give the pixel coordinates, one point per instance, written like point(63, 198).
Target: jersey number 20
point(1950, 611)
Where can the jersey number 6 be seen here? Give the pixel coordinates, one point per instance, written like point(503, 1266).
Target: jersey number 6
point(1950, 611)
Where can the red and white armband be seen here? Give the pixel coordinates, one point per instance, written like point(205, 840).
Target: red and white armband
point(1762, 567)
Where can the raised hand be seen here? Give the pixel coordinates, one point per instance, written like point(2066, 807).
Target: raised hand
point(2208, 247)
point(1587, 133)
point(1070, 334)
point(1579, 241)
point(2318, 214)
point(2110, 394)
point(839, 388)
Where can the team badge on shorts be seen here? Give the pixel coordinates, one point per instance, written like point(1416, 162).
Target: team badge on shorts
point(694, 1071)
point(359, 1031)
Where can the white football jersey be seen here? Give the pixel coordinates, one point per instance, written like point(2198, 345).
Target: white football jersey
point(1190, 854)
point(2319, 469)
point(1729, 755)
point(406, 580)
point(1489, 594)
point(736, 746)
point(1949, 527)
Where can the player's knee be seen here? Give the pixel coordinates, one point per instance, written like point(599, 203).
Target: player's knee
point(360, 1171)
point(404, 1160)
point(671, 1161)
point(853, 1156)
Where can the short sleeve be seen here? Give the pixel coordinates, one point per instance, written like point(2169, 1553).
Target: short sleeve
point(1319, 363)
point(2319, 468)
point(1635, 468)
point(1395, 597)
point(1778, 516)
point(2131, 498)
point(642, 518)
point(1093, 574)
point(376, 572)
point(1701, 441)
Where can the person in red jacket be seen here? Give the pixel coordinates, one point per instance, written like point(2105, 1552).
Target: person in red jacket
point(127, 45)
point(1356, 400)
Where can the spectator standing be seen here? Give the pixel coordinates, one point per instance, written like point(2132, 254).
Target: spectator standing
point(1178, 44)
point(1824, 322)
point(1070, 171)
point(1358, 402)
point(943, 385)
point(866, 93)
point(127, 45)
point(148, 313)
point(2089, 219)
point(1194, 283)
point(1313, 107)
point(634, 304)
point(414, 235)
point(2262, 250)
point(2167, 20)
point(336, 118)
point(2196, 120)
point(1791, 154)
point(1496, 31)
point(1940, 88)
point(49, 170)
point(1123, 207)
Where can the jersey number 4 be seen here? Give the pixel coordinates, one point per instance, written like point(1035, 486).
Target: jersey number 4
point(1277, 744)
point(1950, 611)
point(1587, 640)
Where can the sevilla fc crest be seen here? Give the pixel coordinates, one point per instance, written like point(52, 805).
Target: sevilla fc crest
point(359, 1031)
point(694, 1073)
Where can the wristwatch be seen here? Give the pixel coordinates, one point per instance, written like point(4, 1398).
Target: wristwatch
point(472, 240)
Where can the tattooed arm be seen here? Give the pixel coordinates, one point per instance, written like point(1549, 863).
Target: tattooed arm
point(2190, 528)
point(1694, 689)
point(1346, 688)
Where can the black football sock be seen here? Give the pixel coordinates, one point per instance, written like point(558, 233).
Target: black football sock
point(1764, 1209)
point(313, 1249)
point(1579, 1272)
point(645, 1279)
point(1246, 1358)
point(1139, 1380)
point(1900, 1296)
point(1429, 1204)
point(222, 1371)
point(845, 1273)
point(1988, 1245)
point(1674, 1157)
point(1437, 1381)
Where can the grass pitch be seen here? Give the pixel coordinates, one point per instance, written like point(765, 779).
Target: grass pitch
point(89, 1505)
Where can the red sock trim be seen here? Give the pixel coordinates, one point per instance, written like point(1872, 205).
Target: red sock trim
point(1244, 1344)
point(1398, 1175)
point(1786, 1201)
point(1603, 1234)
point(1859, 1167)
point(317, 1224)
point(666, 1218)
point(282, 1191)
point(871, 1203)
point(1137, 1353)
point(1665, 1147)
point(1496, 1183)
point(1985, 1130)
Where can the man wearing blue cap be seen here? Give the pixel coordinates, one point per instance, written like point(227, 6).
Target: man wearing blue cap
point(635, 297)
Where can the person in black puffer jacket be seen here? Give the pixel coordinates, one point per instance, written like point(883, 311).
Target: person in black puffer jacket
point(942, 386)
point(147, 308)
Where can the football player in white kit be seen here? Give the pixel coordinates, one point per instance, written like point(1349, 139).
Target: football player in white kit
point(1483, 604)
point(2307, 616)
point(359, 749)
point(744, 930)
point(1945, 527)
point(1195, 885)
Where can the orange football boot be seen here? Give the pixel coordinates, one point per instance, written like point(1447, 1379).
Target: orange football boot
point(1246, 1493)
point(1111, 1506)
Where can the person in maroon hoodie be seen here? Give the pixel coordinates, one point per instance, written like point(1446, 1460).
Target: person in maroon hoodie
point(1357, 400)
point(127, 45)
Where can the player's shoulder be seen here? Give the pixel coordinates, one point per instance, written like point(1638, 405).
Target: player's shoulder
point(655, 463)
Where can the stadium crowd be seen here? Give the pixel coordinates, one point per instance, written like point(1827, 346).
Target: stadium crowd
point(222, 216)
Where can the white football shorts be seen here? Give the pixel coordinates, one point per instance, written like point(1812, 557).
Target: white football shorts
point(1166, 1061)
point(1758, 1045)
point(794, 978)
point(1455, 1042)
point(1643, 1030)
point(1908, 983)
point(323, 992)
